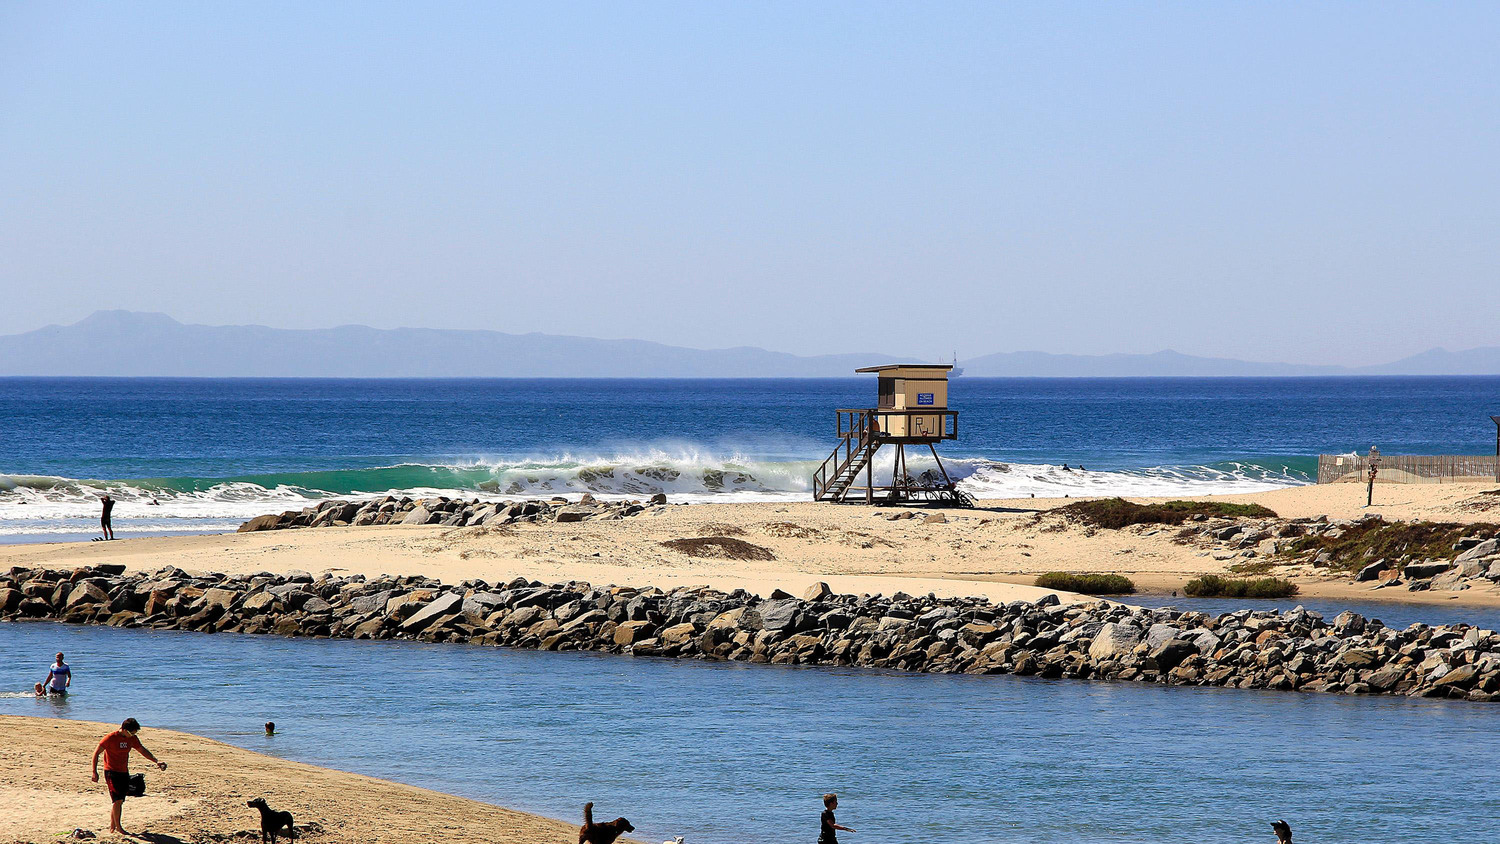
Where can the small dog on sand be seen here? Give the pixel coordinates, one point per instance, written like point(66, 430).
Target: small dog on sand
point(1283, 832)
point(272, 821)
point(675, 840)
point(601, 833)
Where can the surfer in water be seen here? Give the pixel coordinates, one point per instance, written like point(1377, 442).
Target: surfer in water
point(109, 505)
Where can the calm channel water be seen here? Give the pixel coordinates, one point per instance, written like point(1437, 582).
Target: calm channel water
point(725, 753)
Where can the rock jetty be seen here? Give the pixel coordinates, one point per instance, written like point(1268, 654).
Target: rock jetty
point(448, 512)
point(1296, 650)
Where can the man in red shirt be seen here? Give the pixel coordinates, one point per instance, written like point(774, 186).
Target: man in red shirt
point(116, 748)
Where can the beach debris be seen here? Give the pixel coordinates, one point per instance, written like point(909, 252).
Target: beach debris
point(719, 548)
point(1248, 649)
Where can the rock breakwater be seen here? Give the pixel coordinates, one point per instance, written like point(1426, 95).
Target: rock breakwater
point(1295, 650)
point(448, 512)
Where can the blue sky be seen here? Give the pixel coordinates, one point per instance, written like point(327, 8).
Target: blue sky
point(1299, 182)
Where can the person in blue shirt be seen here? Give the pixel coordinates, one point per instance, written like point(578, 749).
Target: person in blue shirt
point(59, 678)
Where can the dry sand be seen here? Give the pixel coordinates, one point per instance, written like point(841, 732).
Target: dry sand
point(994, 550)
point(45, 792)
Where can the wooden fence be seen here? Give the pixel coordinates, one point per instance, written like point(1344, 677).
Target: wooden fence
point(1409, 468)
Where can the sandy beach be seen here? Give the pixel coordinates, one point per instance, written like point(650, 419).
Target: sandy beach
point(994, 550)
point(45, 792)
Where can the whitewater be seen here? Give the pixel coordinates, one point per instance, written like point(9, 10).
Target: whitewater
point(42, 505)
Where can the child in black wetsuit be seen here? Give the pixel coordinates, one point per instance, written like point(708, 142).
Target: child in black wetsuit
point(828, 834)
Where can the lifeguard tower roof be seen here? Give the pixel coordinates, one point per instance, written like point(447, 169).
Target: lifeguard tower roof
point(890, 366)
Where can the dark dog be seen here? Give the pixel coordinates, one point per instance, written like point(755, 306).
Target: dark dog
point(1283, 832)
point(601, 833)
point(272, 821)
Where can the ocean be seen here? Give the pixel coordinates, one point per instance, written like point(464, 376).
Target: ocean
point(202, 455)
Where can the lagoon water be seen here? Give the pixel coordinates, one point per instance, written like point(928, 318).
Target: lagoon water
point(726, 753)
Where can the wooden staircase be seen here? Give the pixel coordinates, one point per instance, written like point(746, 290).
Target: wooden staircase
point(861, 434)
point(832, 480)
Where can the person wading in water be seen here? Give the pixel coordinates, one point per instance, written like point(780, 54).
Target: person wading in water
point(59, 677)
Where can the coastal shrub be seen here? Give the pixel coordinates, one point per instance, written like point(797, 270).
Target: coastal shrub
point(719, 548)
point(1376, 539)
point(1214, 586)
point(1116, 513)
point(1087, 584)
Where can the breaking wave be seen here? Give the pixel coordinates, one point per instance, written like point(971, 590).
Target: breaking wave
point(35, 504)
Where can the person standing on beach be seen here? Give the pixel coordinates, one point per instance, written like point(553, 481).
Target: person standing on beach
point(109, 505)
point(59, 677)
point(116, 748)
point(828, 831)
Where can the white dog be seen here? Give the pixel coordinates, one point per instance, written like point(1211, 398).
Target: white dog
point(677, 840)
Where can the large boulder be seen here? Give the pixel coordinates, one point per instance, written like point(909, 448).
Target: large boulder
point(270, 521)
point(779, 615)
point(1422, 571)
point(1487, 548)
point(420, 516)
point(1114, 641)
point(86, 593)
point(220, 597)
point(436, 608)
point(1172, 653)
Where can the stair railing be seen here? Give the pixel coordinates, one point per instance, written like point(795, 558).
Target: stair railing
point(853, 440)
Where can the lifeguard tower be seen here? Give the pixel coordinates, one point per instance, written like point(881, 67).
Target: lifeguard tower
point(911, 408)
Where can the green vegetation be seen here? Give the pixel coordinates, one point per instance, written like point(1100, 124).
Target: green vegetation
point(1087, 584)
point(1214, 586)
point(1399, 542)
point(1253, 567)
point(1116, 513)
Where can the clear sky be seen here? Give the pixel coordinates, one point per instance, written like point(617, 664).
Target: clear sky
point(1279, 181)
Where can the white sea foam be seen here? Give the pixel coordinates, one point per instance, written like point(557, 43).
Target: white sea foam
point(39, 505)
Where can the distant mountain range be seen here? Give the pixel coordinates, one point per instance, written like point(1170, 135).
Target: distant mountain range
point(127, 343)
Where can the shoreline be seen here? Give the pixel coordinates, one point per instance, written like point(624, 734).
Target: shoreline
point(994, 550)
point(46, 791)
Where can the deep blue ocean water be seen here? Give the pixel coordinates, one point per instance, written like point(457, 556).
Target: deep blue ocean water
point(212, 452)
point(739, 754)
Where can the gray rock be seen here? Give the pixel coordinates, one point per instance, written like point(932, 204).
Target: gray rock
point(1421, 571)
point(420, 516)
point(1114, 641)
point(439, 606)
point(1487, 548)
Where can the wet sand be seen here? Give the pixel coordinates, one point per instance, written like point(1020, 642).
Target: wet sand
point(45, 792)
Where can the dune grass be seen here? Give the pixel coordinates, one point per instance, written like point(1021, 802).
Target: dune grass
point(1087, 584)
point(1116, 513)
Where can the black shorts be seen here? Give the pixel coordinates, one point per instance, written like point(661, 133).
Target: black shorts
point(119, 785)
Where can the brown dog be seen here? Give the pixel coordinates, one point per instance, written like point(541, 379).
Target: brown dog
point(601, 833)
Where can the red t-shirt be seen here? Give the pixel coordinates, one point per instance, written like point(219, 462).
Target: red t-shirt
point(117, 746)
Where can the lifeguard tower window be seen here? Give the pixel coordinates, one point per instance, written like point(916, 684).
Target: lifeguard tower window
point(887, 395)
